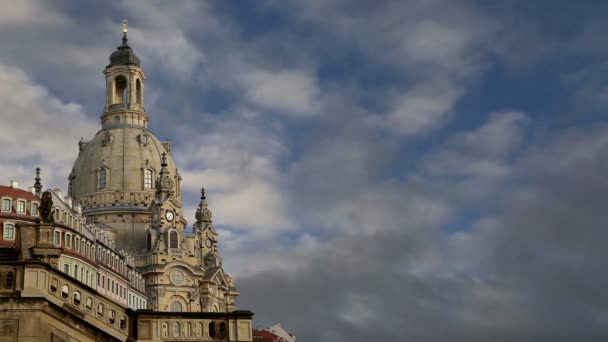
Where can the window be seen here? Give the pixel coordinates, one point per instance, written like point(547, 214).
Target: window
point(8, 281)
point(148, 179)
point(65, 292)
point(123, 323)
point(35, 209)
point(76, 298)
point(102, 178)
point(222, 334)
point(88, 304)
point(212, 329)
point(176, 307)
point(66, 269)
point(173, 239)
point(6, 204)
point(9, 231)
point(68, 241)
point(112, 316)
point(21, 207)
point(54, 284)
point(138, 92)
point(57, 238)
point(120, 85)
point(76, 271)
point(117, 119)
point(100, 309)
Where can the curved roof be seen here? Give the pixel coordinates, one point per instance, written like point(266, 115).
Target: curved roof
point(124, 55)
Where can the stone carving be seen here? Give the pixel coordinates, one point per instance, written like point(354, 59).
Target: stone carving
point(193, 295)
point(46, 207)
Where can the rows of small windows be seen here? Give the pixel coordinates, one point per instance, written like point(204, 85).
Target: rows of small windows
point(75, 243)
point(80, 272)
point(111, 285)
point(175, 329)
point(75, 298)
point(136, 302)
point(67, 219)
point(20, 206)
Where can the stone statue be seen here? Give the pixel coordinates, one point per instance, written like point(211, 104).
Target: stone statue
point(46, 207)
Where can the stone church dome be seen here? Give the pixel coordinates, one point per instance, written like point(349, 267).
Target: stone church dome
point(126, 154)
point(115, 173)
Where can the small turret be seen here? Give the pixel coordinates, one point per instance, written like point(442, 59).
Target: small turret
point(37, 184)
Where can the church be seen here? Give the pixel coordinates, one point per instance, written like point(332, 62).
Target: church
point(114, 259)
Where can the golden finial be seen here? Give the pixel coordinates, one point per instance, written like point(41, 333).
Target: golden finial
point(124, 26)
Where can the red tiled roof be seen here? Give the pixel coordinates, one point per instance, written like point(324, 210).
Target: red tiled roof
point(15, 193)
point(266, 336)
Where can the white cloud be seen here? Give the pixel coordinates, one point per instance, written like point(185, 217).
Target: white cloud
point(422, 108)
point(237, 161)
point(289, 92)
point(38, 129)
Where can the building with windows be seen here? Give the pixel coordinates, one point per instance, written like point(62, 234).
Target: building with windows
point(114, 259)
point(16, 206)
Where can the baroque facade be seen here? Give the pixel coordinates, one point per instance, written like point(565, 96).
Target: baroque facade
point(114, 259)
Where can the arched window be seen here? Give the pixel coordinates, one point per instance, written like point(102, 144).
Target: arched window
point(112, 317)
point(138, 92)
point(9, 231)
point(77, 298)
point(176, 307)
point(65, 291)
point(6, 204)
point(120, 85)
point(222, 332)
point(149, 241)
point(57, 238)
point(103, 173)
point(173, 239)
point(212, 329)
point(21, 207)
point(148, 179)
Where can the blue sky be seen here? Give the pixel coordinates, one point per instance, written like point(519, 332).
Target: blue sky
point(405, 170)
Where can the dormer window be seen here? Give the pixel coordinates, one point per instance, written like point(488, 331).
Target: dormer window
point(21, 207)
point(6, 204)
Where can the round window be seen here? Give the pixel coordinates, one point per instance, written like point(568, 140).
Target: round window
point(177, 277)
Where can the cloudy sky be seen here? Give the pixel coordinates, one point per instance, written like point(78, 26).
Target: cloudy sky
point(378, 170)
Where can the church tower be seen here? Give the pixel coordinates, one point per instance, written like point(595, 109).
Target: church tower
point(113, 176)
point(126, 181)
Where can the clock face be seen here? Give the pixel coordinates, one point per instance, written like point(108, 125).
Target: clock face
point(169, 215)
point(208, 243)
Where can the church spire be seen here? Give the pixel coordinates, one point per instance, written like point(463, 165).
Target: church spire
point(164, 184)
point(203, 214)
point(124, 32)
point(37, 184)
